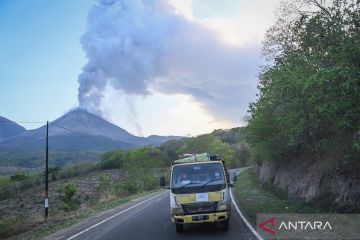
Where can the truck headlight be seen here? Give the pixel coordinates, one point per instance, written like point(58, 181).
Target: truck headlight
point(177, 211)
point(223, 206)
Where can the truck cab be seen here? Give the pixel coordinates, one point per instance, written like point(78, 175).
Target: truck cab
point(199, 191)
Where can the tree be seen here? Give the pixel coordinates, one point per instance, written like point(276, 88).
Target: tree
point(141, 164)
point(67, 196)
point(310, 90)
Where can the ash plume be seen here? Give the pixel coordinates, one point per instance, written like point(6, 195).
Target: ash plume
point(136, 46)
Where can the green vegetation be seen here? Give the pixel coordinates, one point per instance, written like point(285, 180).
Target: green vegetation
point(113, 159)
point(8, 227)
point(254, 197)
point(129, 186)
point(67, 195)
point(4, 181)
point(10, 186)
point(19, 176)
point(34, 159)
point(143, 165)
point(309, 96)
point(118, 175)
point(69, 172)
point(228, 144)
point(107, 190)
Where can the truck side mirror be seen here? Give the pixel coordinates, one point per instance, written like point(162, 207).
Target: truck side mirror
point(235, 178)
point(162, 181)
point(227, 176)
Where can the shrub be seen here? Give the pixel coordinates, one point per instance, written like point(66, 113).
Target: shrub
point(8, 227)
point(75, 170)
point(19, 176)
point(151, 182)
point(130, 186)
point(112, 160)
point(67, 197)
point(104, 183)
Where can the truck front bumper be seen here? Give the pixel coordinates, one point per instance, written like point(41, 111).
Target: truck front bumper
point(200, 218)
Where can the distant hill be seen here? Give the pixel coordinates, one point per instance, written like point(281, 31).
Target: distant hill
point(81, 130)
point(76, 131)
point(9, 128)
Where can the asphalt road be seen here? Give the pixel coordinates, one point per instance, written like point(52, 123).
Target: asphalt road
point(151, 220)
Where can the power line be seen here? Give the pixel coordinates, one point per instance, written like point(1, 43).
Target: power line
point(37, 122)
point(71, 131)
point(30, 139)
point(67, 129)
point(82, 135)
point(9, 121)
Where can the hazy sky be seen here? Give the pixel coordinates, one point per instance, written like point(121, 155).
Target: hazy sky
point(200, 85)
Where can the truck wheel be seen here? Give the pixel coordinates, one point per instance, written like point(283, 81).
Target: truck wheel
point(179, 228)
point(225, 225)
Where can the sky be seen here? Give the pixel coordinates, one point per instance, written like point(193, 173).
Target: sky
point(188, 68)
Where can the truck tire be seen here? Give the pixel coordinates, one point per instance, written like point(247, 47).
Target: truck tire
point(225, 225)
point(179, 228)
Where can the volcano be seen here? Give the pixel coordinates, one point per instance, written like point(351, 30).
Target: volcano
point(79, 130)
point(9, 128)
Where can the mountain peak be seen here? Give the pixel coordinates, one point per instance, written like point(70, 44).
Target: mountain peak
point(82, 121)
point(79, 129)
point(9, 128)
point(79, 110)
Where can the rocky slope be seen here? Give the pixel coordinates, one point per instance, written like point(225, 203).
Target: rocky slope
point(309, 181)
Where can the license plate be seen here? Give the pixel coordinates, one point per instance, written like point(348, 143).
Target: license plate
point(200, 218)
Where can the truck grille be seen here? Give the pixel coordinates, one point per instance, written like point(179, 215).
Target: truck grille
point(201, 207)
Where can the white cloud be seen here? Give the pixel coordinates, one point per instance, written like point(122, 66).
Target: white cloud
point(139, 48)
point(161, 114)
point(184, 7)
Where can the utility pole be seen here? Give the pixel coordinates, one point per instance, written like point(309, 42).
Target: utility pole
point(47, 171)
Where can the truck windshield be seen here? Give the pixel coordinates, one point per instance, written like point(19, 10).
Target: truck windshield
point(201, 177)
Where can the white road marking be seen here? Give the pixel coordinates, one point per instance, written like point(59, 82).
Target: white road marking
point(125, 210)
point(243, 218)
point(117, 214)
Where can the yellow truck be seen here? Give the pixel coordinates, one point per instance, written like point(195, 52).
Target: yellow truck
point(199, 191)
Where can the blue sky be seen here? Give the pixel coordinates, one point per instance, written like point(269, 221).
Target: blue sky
point(41, 58)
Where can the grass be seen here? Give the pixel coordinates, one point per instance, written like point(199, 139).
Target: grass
point(4, 181)
point(7, 227)
point(254, 197)
point(57, 223)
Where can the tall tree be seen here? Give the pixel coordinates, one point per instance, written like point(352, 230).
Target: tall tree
point(310, 90)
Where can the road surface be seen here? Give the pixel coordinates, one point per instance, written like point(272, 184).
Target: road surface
point(150, 219)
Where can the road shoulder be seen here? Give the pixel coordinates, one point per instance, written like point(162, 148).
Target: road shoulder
point(242, 214)
point(101, 216)
point(255, 197)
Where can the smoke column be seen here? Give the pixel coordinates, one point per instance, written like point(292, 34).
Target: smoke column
point(135, 46)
